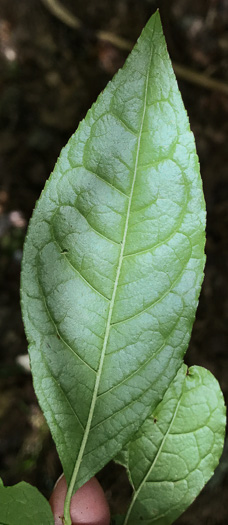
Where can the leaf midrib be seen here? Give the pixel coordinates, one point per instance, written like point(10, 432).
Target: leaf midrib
point(135, 496)
point(112, 302)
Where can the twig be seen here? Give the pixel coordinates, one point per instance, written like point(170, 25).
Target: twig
point(191, 76)
point(200, 79)
point(117, 41)
point(56, 8)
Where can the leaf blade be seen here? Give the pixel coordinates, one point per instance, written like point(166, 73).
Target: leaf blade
point(177, 449)
point(116, 242)
point(23, 504)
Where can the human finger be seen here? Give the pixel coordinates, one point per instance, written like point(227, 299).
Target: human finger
point(88, 504)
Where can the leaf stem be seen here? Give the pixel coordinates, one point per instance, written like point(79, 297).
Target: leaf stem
point(67, 518)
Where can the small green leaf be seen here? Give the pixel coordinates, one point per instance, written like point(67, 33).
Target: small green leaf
point(113, 263)
point(176, 450)
point(23, 504)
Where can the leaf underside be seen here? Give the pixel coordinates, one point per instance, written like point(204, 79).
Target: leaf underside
point(176, 450)
point(113, 262)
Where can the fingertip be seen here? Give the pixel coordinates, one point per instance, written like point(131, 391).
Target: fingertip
point(88, 504)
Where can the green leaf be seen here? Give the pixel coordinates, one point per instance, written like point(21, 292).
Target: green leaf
point(176, 450)
point(113, 263)
point(23, 504)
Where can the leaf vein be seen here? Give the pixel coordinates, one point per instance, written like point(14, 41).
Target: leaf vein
point(57, 329)
point(61, 389)
point(146, 362)
point(152, 465)
point(155, 302)
point(94, 398)
point(75, 269)
point(103, 179)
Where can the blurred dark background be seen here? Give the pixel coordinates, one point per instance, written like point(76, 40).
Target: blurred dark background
point(50, 74)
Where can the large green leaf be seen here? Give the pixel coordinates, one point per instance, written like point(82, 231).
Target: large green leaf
point(176, 450)
point(113, 262)
point(23, 504)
